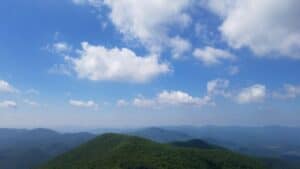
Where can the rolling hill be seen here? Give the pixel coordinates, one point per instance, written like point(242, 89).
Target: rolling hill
point(114, 151)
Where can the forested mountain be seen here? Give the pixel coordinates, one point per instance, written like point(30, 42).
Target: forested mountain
point(160, 135)
point(113, 151)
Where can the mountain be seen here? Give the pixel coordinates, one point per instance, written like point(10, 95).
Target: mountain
point(268, 141)
point(195, 143)
point(114, 151)
point(23, 149)
point(279, 146)
point(274, 163)
point(160, 135)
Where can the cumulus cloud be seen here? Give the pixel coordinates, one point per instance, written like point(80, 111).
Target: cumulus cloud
point(149, 22)
point(289, 91)
point(181, 98)
point(212, 56)
point(83, 104)
point(142, 102)
point(8, 104)
point(173, 98)
point(179, 47)
point(254, 93)
point(100, 63)
point(267, 27)
point(218, 87)
point(5, 87)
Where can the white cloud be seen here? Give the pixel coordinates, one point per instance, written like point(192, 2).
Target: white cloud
point(179, 46)
point(218, 87)
point(61, 47)
point(265, 26)
point(288, 92)
point(233, 70)
point(6, 87)
point(212, 56)
point(8, 104)
point(148, 21)
point(100, 63)
point(174, 98)
point(181, 98)
point(255, 93)
point(142, 102)
point(61, 69)
point(122, 102)
point(83, 104)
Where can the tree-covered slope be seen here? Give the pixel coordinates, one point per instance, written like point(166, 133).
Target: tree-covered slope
point(195, 143)
point(160, 135)
point(112, 151)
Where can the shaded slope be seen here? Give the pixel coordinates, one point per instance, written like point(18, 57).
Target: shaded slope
point(195, 143)
point(25, 149)
point(111, 151)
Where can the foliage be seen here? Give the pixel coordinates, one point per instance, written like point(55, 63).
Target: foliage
point(112, 151)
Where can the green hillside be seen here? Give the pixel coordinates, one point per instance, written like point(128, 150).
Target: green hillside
point(112, 151)
point(195, 143)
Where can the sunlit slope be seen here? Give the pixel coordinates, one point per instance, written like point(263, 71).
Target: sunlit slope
point(112, 151)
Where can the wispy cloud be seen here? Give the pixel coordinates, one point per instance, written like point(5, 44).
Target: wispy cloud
point(288, 91)
point(84, 104)
point(6, 87)
point(212, 56)
point(31, 103)
point(233, 70)
point(8, 104)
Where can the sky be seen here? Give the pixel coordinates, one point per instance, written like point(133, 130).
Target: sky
point(121, 63)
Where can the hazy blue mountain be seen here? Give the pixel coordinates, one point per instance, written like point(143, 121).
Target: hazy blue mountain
point(160, 135)
point(262, 141)
point(23, 149)
point(278, 146)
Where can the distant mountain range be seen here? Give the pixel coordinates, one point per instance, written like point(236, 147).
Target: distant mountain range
point(278, 146)
point(115, 151)
point(270, 141)
point(24, 149)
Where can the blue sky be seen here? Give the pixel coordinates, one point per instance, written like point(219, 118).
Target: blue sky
point(94, 63)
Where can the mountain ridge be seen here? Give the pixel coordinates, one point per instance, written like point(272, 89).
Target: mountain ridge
point(116, 151)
